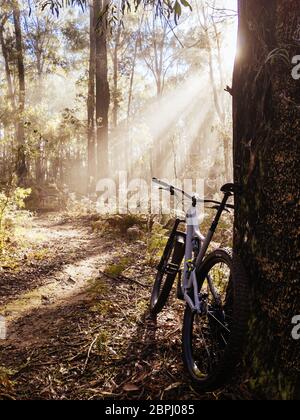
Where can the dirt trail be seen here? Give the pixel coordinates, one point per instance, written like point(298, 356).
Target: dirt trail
point(55, 245)
point(74, 333)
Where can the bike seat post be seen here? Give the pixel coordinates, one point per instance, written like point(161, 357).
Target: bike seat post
point(221, 208)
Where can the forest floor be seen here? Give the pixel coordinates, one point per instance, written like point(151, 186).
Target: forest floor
point(76, 330)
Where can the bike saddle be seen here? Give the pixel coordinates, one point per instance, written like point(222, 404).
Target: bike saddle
point(232, 188)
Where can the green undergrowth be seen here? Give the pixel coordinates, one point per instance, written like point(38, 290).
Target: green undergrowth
point(14, 224)
point(156, 242)
point(119, 224)
point(97, 287)
point(6, 382)
point(116, 269)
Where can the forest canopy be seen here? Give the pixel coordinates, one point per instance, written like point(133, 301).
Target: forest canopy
point(57, 80)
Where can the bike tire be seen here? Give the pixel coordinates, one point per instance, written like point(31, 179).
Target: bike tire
point(164, 282)
point(224, 371)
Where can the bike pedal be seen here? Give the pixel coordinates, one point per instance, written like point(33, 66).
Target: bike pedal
point(180, 295)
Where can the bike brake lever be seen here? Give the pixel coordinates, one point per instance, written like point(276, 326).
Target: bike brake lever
point(169, 190)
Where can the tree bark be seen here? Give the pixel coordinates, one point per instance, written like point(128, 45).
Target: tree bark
point(116, 100)
point(8, 72)
point(21, 167)
point(266, 115)
point(102, 88)
point(132, 74)
point(91, 105)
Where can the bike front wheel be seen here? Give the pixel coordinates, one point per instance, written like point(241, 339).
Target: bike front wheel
point(212, 342)
point(167, 272)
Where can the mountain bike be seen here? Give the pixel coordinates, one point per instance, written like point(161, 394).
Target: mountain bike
point(215, 288)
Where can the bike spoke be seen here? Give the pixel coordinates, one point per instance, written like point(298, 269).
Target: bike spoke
point(225, 342)
point(211, 332)
point(219, 322)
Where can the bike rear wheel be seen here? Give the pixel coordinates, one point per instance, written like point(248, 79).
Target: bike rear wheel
point(167, 272)
point(213, 341)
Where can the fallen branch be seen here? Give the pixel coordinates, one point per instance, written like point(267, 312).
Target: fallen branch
point(89, 353)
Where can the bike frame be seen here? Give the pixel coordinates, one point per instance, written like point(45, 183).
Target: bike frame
point(191, 267)
point(193, 235)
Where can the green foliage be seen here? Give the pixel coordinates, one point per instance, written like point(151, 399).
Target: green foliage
point(141, 308)
point(11, 202)
point(177, 8)
point(97, 287)
point(102, 342)
point(119, 223)
point(223, 236)
point(156, 243)
point(165, 7)
point(117, 269)
point(6, 383)
point(102, 308)
point(78, 207)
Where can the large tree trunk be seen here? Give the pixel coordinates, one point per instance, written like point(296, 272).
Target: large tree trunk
point(129, 104)
point(21, 167)
point(132, 74)
point(266, 161)
point(102, 88)
point(116, 100)
point(9, 81)
point(91, 105)
point(8, 72)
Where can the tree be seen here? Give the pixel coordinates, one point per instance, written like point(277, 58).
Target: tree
point(153, 46)
point(102, 88)
point(115, 59)
point(266, 116)
point(41, 44)
point(132, 74)
point(210, 35)
point(91, 103)
point(5, 53)
point(21, 167)
point(106, 14)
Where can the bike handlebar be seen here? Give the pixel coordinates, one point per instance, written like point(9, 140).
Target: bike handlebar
point(171, 188)
point(193, 198)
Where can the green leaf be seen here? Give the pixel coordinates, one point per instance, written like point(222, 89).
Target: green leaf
point(185, 3)
point(177, 10)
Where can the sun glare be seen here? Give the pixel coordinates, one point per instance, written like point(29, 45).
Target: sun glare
point(230, 45)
